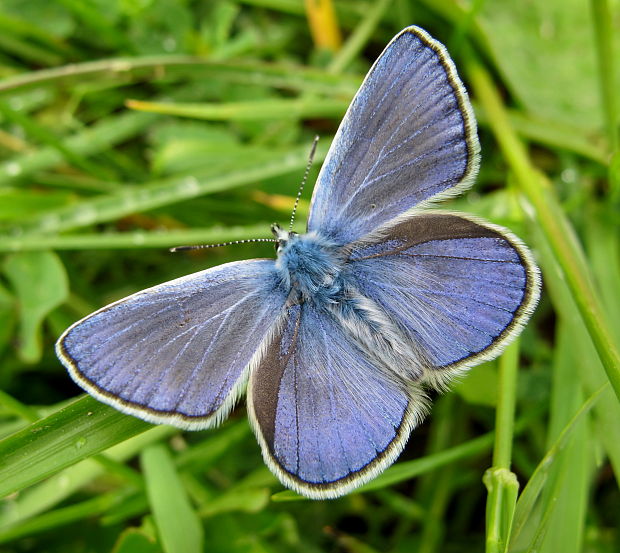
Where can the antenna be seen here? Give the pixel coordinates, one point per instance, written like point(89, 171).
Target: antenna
point(272, 240)
point(204, 246)
point(303, 180)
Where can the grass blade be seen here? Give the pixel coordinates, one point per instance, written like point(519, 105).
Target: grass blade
point(134, 199)
point(531, 492)
point(133, 240)
point(298, 108)
point(98, 138)
point(556, 227)
point(178, 524)
point(83, 428)
point(146, 68)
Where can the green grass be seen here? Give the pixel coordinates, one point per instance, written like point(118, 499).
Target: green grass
point(522, 455)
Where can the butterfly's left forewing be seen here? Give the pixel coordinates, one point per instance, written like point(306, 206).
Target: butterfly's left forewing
point(178, 353)
point(409, 137)
point(326, 417)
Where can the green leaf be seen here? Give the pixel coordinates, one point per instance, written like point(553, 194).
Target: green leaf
point(134, 199)
point(302, 78)
point(535, 485)
point(249, 111)
point(61, 517)
point(533, 40)
point(83, 428)
point(59, 487)
point(16, 203)
point(7, 316)
point(480, 386)
point(133, 240)
point(48, 16)
point(136, 540)
point(40, 283)
point(179, 527)
point(92, 140)
point(248, 500)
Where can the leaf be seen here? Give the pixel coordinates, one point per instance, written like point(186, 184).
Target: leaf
point(40, 283)
point(94, 139)
point(254, 166)
point(48, 16)
point(83, 428)
point(531, 492)
point(532, 41)
point(129, 240)
point(7, 316)
point(61, 517)
point(136, 540)
point(179, 527)
point(248, 500)
point(480, 385)
point(251, 110)
point(16, 203)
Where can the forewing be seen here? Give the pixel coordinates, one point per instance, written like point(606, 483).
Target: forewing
point(177, 353)
point(460, 288)
point(326, 417)
point(409, 136)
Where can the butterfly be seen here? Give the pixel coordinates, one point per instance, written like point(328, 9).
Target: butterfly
point(338, 338)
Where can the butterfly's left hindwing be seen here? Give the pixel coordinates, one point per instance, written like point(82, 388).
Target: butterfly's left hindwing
point(177, 353)
point(326, 417)
point(459, 287)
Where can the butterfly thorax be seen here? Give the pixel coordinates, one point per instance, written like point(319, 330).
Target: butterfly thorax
point(310, 265)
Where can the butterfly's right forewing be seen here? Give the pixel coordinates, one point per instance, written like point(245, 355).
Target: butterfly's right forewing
point(178, 353)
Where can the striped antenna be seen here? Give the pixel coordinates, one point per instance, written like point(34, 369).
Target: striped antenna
point(303, 181)
point(204, 246)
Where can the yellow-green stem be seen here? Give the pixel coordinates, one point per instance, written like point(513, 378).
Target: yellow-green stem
point(557, 229)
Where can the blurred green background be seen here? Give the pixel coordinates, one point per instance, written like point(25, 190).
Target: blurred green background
point(130, 126)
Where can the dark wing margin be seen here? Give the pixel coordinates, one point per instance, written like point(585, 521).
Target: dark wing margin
point(178, 353)
point(326, 418)
point(460, 288)
point(408, 138)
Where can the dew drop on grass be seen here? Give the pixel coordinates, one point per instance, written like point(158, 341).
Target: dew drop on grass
point(13, 168)
point(169, 44)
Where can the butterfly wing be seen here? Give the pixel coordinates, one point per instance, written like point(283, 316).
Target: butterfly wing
point(460, 288)
point(326, 418)
point(178, 353)
point(409, 136)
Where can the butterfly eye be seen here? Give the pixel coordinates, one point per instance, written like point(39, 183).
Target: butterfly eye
point(280, 245)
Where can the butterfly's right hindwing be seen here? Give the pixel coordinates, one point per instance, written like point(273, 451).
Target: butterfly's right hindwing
point(178, 353)
point(326, 417)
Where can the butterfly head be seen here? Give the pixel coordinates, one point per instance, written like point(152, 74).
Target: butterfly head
point(283, 237)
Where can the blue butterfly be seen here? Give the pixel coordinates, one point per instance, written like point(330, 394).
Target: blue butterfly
point(338, 338)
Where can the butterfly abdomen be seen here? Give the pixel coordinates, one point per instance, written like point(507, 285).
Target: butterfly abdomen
point(379, 336)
